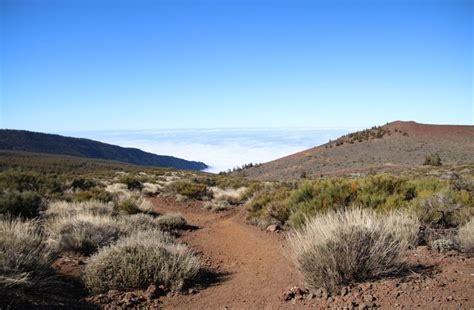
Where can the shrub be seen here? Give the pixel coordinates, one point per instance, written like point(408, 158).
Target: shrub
point(432, 160)
point(341, 248)
point(128, 206)
point(217, 205)
point(466, 237)
point(20, 181)
point(63, 208)
point(140, 260)
point(171, 221)
point(151, 189)
point(442, 245)
point(139, 222)
point(25, 204)
point(30, 181)
point(189, 190)
point(145, 206)
point(83, 233)
point(93, 194)
point(441, 211)
point(83, 184)
point(25, 264)
point(132, 183)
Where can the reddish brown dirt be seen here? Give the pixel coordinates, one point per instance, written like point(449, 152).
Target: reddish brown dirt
point(254, 264)
point(251, 269)
point(257, 271)
point(394, 152)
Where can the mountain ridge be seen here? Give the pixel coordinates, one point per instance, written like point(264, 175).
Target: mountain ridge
point(37, 142)
point(395, 145)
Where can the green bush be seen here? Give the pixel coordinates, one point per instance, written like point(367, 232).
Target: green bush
point(293, 203)
point(132, 183)
point(128, 206)
point(189, 189)
point(442, 211)
point(140, 260)
point(25, 204)
point(432, 160)
point(97, 194)
point(20, 181)
point(83, 184)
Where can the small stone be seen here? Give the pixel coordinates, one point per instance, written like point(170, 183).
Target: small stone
point(151, 292)
point(273, 228)
point(366, 305)
point(319, 293)
point(368, 298)
point(330, 300)
point(288, 295)
point(344, 291)
point(310, 296)
point(449, 298)
point(192, 291)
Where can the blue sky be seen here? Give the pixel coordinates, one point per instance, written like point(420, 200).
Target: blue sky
point(130, 65)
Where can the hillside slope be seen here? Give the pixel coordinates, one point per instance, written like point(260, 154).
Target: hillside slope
point(27, 141)
point(397, 145)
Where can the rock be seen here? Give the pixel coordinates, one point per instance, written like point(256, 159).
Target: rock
point(319, 293)
point(368, 298)
point(294, 293)
point(288, 295)
point(344, 291)
point(151, 292)
point(366, 305)
point(330, 300)
point(449, 298)
point(310, 296)
point(192, 291)
point(273, 228)
point(129, 299)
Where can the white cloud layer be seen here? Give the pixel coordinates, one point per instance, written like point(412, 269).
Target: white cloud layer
point(221, 149)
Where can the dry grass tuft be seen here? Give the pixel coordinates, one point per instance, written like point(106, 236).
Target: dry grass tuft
point(346, 247)
point(83, 233)
point(61, 208)
point(171, 221)
point(139, 260)
point(151, 189)
point(466, 237)
point(139, 222)
point(25, 264)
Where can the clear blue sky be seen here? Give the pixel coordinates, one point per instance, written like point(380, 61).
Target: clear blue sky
point(93, 65)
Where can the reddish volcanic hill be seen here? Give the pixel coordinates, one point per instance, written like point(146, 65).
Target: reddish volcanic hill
point(397, 145)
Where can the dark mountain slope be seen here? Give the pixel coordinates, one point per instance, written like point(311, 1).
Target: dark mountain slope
point(27, 141)
point(395, 146)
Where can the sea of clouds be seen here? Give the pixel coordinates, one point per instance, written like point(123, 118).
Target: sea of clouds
point(221, 149)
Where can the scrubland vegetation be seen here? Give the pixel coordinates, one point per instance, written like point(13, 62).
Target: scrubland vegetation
point(344, 229)
point(49, 211)
point(438, 202)
point(345, 247)
point(141, 259)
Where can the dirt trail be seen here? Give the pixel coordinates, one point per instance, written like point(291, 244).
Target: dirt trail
point(255, 270)
point(255, 265)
